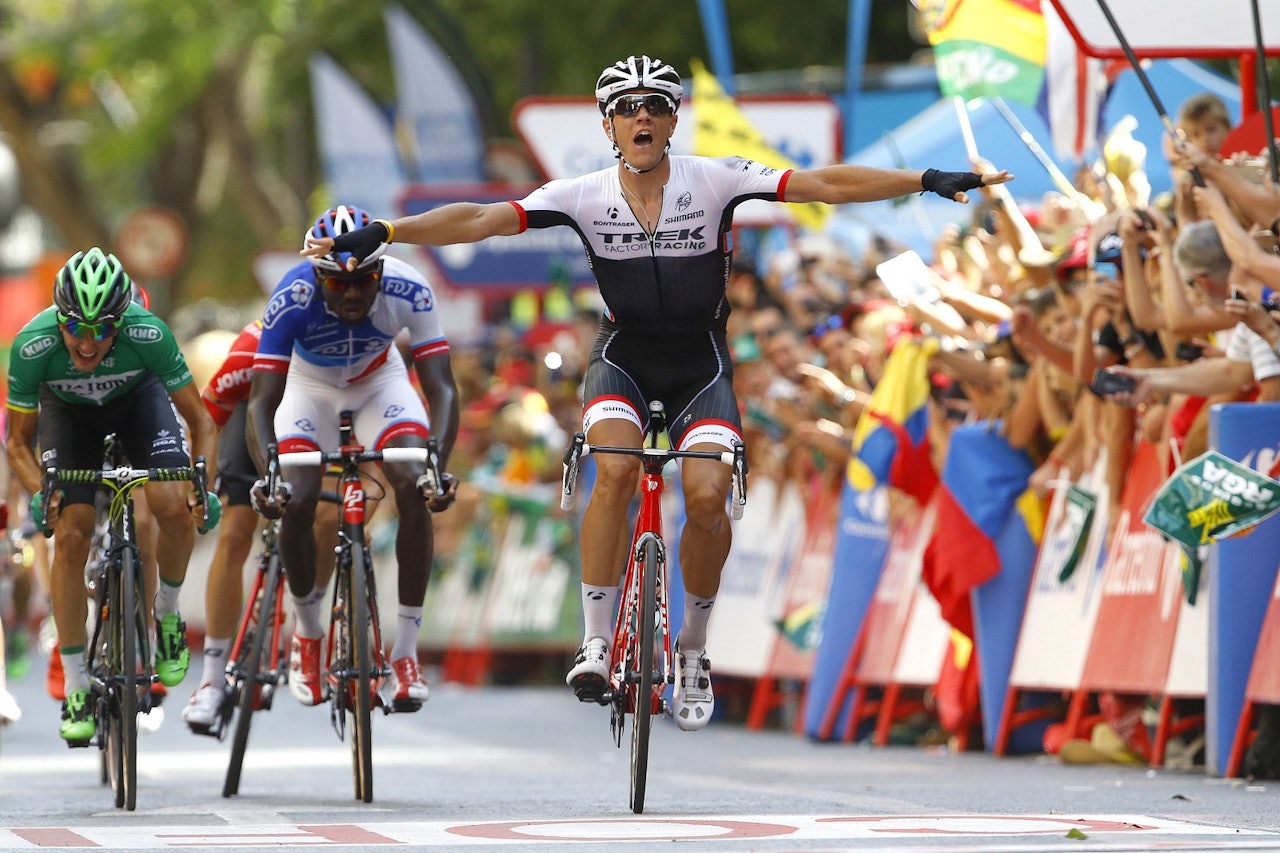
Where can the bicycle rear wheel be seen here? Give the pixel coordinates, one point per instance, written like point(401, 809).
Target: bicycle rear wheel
point(640, 683)
point(248, 668)
point(360, 705)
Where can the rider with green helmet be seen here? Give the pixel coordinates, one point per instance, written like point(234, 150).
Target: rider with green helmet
point(94, 363)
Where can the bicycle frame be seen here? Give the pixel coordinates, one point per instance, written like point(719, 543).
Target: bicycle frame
point(118, 654)
point(642, 627)
point(355, 660)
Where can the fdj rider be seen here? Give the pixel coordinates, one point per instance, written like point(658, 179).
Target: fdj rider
point(93, 364)
point(656, 231)
point(328, 344)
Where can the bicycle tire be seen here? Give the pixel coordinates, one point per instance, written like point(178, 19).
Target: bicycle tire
point(642, 684)
point(249, 670)
point(360, 705)
point(128, 618)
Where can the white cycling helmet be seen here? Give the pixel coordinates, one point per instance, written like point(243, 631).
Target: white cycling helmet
point(637, 72)
point(340, 220)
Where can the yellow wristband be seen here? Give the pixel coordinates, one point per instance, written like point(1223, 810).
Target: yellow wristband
point(391, 230)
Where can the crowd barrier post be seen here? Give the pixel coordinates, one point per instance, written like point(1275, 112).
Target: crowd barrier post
point(862, 541)
point(1241, 575)
point(1133, 637)
point(799, 602)
point(1059, 614)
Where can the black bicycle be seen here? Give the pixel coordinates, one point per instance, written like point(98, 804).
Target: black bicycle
point(118, 657)
point(258, 661)
point(355, 661)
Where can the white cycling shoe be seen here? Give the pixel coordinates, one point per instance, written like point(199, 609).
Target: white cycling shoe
point(589, 677)
point(692, 702)
point(202, 708)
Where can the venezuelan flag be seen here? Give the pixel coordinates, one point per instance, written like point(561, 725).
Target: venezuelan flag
point(890, 441)
point(987, 47)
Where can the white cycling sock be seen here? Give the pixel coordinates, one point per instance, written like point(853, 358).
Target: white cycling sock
point(74, 676)
point(597, 611)
point(167, 598)
point(408, 624)
point(307, 611)
point(693, 633)
point(215, 660)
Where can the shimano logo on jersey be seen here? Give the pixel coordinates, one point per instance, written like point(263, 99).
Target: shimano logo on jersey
point(684, 217)
point(296, 295)
point(683, 202)
point(144, 334)
point(37, 345)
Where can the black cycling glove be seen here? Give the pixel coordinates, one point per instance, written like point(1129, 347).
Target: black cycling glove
point(362, 242)
point(947, 184)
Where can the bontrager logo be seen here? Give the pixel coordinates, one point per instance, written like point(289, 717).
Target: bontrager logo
point(37, 345)
point(146, 334)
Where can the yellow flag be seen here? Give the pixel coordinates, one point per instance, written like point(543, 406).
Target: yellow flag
point(723, 131)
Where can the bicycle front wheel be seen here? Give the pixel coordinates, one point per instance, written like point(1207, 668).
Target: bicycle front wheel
point(360, 706)
point(126, 621)
point(641, 682)
point(248, 669)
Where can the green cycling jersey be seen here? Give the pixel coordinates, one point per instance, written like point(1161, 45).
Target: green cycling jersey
point(143, 344)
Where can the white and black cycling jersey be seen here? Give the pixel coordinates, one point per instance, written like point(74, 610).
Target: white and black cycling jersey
point(673, 280)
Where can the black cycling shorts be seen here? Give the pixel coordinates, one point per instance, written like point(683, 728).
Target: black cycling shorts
point(236, 471)
point(690, 374)
point(144, 420)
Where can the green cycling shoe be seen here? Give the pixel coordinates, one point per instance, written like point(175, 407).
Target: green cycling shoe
point(78, 727)
point(172, 654)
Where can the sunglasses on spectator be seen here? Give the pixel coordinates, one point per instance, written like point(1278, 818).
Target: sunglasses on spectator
point(340, 283)
point(81, 329)
point(828, 325)
point(628, 106)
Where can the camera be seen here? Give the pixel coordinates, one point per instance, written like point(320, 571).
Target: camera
point(1106, 383)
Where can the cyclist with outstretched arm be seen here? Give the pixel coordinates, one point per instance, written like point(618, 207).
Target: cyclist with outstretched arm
point(92, 364)
point(656, 229)
point(328, 345)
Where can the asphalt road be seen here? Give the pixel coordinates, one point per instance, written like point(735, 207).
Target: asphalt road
point(529, 768)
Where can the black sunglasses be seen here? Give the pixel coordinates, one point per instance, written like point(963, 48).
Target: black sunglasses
point(628, 106)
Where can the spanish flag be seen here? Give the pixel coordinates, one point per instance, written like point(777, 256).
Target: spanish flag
point(723, 131)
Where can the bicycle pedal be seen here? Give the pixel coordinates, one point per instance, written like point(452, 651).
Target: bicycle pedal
point(401, 706)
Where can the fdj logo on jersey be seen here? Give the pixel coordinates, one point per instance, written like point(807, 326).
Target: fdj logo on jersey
point(296, 295)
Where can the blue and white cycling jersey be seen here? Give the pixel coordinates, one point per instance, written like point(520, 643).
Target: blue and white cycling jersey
point(297, 322)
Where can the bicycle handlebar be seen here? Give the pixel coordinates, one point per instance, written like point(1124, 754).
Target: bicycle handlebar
point(735, 459)
point(312, 458)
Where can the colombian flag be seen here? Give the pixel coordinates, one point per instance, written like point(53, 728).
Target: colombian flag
point(723, 131)
point(890, 442)
point(993, 48)
point(983, 490)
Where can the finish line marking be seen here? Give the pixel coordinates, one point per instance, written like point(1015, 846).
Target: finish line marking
point(1123, 829)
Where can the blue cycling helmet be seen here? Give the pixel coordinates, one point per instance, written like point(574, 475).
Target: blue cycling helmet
point(340, 220)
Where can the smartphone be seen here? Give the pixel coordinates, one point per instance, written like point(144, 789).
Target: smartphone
point(1107, 269)
point(1105, 383)
point(1145, 222)
point(1237, 293)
